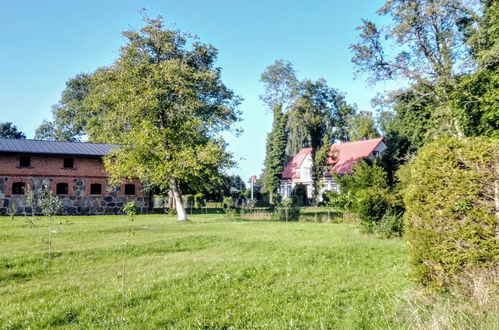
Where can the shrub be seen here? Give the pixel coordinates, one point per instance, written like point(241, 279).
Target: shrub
point(371, 204)
point(364, 176)
point(228, 202)
point(199, 201)
point(287, 211)
point(344, 201)
point(390, 225)
point(299, 195)
point(451, 217)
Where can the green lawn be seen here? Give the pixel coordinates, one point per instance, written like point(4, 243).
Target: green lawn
point(208, 273)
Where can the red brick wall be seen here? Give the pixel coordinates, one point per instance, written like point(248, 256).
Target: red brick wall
point(52, 166)
point(45, 166)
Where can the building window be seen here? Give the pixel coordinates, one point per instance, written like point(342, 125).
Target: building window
point(18, 188)
point(24, 161)
point(62, 189)
point(95, 189)
point(288, 195)
point(129, 189)
point(68, 162)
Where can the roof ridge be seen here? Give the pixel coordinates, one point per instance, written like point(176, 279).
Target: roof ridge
point(38, 140)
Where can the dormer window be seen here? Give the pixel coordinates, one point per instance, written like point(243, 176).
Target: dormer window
point(68, 163)
point(24, 161)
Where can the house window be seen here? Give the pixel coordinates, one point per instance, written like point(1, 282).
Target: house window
point(288, 195)
point(95, 189)
point(18, 188)
point(68, 162)
point(62, 189)
point(24, 161)
point(129, 189)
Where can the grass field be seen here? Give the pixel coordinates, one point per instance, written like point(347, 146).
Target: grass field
point(209, 273)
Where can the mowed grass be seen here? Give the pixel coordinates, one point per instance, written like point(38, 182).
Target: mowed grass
point(209, 273)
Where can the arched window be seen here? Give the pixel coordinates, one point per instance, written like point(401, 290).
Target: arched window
point(62, 189)
point(95, 189)
point(129, 189)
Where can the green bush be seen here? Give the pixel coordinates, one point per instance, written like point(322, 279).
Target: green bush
point(371, 204)
point(332, 198)
point(299, 195)
point(228, 203)
point(451, 217)
point(390, 225)
point(199, 201)
point(364, 176)
point(287, 211)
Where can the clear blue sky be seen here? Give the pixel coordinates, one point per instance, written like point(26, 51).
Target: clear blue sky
point(45, 43)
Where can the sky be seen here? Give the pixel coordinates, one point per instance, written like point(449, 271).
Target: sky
point(46, 43)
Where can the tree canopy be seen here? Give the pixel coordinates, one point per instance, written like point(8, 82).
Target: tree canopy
point(164, 102)
point(9, 131)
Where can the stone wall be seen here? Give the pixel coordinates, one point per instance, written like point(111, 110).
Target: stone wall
point(78, 201)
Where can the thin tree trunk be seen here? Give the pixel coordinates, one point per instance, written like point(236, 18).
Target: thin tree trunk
point(181, 214)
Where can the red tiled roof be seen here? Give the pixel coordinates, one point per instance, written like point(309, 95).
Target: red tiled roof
point(346, 154)
point(342, 157)
point(290, 171)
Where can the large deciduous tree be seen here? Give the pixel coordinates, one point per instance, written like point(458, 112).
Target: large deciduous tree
point(280, 91)
point(362, 126)
point(320, 112)
point(164, 102)
point(429, 39)
point(70, 115)
point(9, 131)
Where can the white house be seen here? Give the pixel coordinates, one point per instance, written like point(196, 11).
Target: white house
point(342, 157)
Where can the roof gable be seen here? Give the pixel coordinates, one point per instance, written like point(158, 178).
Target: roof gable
point(55, 147)
point(291, 170)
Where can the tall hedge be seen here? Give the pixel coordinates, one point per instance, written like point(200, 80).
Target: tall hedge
point(451, 219)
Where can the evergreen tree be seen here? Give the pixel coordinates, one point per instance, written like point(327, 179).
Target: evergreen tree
point(275, 157)
point(280, 91)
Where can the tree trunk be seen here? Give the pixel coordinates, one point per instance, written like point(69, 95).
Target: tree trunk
point(181, 215)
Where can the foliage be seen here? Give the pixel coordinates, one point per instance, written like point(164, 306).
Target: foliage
point(319, 110)
point(371, 204)
point(390, 225)
point(71, 114)
point(228, 203)
point(275, 156)
point(199, 201)
point(451, 216)
point(364, 176)
point(299, 195)
point(164, 102)
point(428, 43)
point(287, 211)
point(362, 126)
point(475, 101)
point(280, 85)
point(50, 206)
point(9, 131)
point(130, 210)
point(280, 91)
point(340, 200)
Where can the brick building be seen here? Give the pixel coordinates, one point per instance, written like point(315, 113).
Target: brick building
point(74, 171)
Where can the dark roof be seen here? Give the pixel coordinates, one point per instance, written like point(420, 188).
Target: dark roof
point(55, 147)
